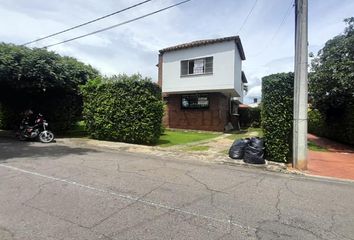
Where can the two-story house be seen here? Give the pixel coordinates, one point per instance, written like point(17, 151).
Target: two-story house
point(202, 83)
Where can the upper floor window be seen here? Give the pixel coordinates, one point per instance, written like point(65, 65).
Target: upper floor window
point(197, 66)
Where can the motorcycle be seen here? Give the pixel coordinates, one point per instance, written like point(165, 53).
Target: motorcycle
point(39, 130)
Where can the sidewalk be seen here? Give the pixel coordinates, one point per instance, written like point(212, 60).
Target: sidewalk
point(337, 162)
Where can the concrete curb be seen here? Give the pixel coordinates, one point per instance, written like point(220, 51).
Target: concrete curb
point(212, 157)
point(269, 166)
point(327, 178)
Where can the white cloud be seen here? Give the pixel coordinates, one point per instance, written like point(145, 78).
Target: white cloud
point(134, 47)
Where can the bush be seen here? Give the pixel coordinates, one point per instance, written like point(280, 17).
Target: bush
point(60, 109)
point(7, 116)
point(338, 127)
point(43, 81)
point(122, 108)
point(331, 87)
point(316, 122)
point(250, 117)
point(277, 115)
point(342, 128)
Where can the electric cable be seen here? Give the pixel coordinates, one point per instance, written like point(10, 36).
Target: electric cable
point(86, 23)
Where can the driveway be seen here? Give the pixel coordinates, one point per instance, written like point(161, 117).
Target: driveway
point(337, 161)
point(58, 191)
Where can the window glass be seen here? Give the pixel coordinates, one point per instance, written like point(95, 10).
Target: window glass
point(184, 68)
point(195, 101)
point(209, 65)
point(197, 66)
point(190, 67)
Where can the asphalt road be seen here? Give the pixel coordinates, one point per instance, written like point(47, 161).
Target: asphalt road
point(54, 191)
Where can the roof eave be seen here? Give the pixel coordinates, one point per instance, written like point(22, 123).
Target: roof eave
point(236, 39)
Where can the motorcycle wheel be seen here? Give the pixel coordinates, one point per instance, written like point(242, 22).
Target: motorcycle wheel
point(46, 136)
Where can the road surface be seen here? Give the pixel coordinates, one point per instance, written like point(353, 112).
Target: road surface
point(56, 191)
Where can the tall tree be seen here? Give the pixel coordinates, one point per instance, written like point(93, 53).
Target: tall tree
point(332, 87)
point(41, 80)
point(331, 82)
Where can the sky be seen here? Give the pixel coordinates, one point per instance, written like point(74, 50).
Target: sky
point(267, 36)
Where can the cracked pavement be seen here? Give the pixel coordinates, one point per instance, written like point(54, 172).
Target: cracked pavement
point(57, 191)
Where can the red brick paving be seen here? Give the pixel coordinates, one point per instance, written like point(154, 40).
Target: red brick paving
point(338, 162)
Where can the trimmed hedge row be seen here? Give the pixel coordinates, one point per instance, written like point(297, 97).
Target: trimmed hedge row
point(277, 115)
point(316, 123)
point(339, 127)
point(250, 117)
point(126, 109)
point(60, 109)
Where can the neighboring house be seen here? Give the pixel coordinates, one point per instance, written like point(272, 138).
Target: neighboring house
point(254, 104)
point(202, 83)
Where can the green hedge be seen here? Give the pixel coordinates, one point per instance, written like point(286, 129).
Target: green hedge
point(60, 109)
point(123, 108)
point(41, 80)
point(250, 117)
point(316, 122)
point(338, 127)
point(277, 115)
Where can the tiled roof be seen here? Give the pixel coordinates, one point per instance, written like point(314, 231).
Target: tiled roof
point(198, 43)
point(243, 106)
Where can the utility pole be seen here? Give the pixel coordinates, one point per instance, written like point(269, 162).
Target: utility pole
point(300, 86)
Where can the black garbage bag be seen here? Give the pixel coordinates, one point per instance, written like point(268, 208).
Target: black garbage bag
point(257, 142)
point(237, 149)
point(254, 151)
point(254, 155)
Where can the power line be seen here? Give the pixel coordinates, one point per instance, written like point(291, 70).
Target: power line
point(278, 29)
point(283, 20)
point(248, 15)
point(86, 23)
point(119, 24)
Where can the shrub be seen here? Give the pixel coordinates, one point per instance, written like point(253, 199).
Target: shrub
point(255, 114)
point(250, 117)
point(331, 86)
point(60, 109)
point(277, 115)
point(7, 116)
point(339, 127)
point(123, 108)
point(316, 122)
point(42, 81)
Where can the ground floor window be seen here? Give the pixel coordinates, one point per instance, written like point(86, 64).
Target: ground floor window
point(195, 101)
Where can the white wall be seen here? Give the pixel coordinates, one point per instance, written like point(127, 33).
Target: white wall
point(224, 69)
point(238, 75)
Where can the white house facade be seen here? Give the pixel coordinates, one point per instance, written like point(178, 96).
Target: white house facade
point(202, 83)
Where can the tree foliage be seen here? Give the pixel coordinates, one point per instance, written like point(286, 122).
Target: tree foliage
point(37, 70)
point(332, 79)
point(332, 88)
point(41, 80)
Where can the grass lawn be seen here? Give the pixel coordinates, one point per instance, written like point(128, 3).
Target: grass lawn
point(314, 147)
point(174, 137)
point(246, 133)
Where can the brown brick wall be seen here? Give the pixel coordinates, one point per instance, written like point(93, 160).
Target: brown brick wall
point(212, 119)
